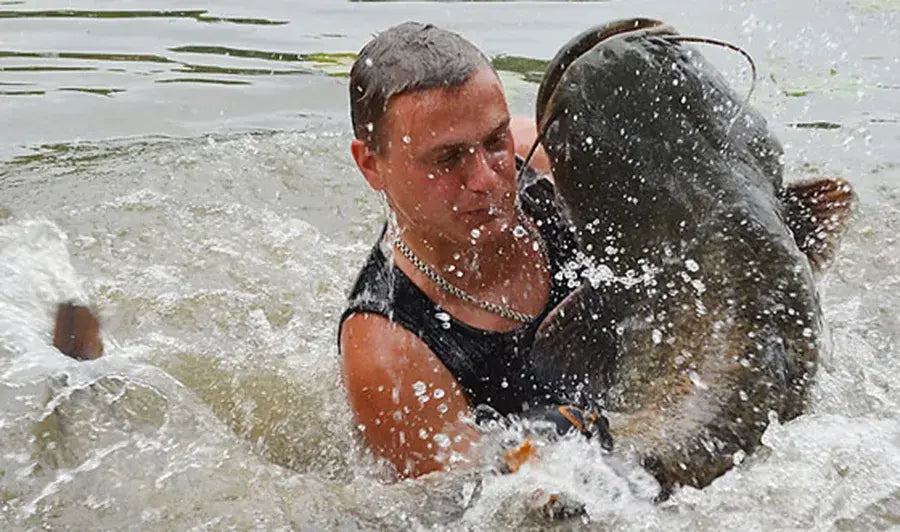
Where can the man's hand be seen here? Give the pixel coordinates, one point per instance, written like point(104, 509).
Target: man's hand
point(568, 418)
point(518, 456)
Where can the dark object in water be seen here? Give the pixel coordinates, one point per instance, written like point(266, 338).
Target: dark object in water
point(77, 332)
point(699, 316)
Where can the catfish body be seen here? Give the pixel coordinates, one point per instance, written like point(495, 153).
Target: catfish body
point(699, 315)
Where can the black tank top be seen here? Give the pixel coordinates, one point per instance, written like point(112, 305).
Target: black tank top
point(493, 368)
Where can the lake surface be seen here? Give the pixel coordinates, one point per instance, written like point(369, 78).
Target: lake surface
point(186, 170)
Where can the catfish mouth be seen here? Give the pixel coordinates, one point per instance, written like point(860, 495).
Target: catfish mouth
point(579, 46)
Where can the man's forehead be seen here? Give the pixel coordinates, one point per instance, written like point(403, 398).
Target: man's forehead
point(441, 115)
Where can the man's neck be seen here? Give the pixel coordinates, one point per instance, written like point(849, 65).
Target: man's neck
point(473, 265)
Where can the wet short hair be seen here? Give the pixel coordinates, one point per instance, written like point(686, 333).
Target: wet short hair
point(408, 57)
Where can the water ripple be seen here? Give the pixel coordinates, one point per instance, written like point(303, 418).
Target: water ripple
point(200, 15)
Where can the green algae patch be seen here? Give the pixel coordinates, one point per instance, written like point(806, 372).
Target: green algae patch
point(337, 58)
point(200, 15)
point(208, 81)
point(531, 70)
point(876, 5)
point(815, 125)
point(337, 64)
point(95, 91)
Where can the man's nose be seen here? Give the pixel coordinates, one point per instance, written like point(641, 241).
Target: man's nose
point(480, 175)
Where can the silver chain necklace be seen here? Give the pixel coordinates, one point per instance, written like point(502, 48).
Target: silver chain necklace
point(429, 272)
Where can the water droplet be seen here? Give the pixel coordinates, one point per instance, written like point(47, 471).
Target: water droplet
point(459, 273)
point(695, 378)
point(431, 176)
point(438, 393)
point(456, 256)
point(423, 434)
point(419, 388)
point(657, 336)
point(406, 139)
point(518, 231)
point(445, 325)
point(807, 332)
point(535, 246)
point(589, 141)
point(370, 127)
point(699, 287)
point(369, 62)
point(476, 233)
point(691, 265)
point(442, 440)
point(442, 408)
point(504, 384)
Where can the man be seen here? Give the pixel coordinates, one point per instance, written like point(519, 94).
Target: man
point(447, 326)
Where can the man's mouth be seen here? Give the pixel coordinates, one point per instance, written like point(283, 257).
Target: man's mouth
point(490, 210)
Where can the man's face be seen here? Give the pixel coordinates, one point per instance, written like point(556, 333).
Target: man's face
point(448, 164)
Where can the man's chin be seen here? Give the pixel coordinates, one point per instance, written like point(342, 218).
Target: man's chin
point(494, 226)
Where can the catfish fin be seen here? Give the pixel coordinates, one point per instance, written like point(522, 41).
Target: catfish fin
point(817, 213)
point(575, 345)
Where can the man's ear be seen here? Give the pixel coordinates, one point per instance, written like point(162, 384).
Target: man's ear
point(368, 162)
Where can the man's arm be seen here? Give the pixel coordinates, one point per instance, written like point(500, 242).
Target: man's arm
point(409, 407)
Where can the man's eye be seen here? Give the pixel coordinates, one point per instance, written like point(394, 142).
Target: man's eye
point(496, 143)
point(448, 158)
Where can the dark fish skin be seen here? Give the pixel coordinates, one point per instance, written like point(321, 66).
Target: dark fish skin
point(703, 316)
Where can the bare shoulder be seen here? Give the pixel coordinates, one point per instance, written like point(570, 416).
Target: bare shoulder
point(372, 343)
point(407, 404)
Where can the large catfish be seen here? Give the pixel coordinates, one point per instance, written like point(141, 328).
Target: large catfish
point(698, 316)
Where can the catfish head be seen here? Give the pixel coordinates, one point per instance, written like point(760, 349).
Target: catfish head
point(640, 129)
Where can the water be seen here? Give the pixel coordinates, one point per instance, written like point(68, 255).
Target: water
point(188, 174)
